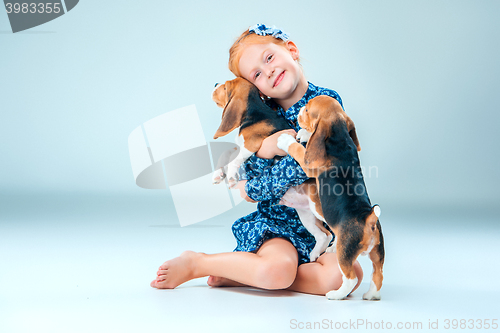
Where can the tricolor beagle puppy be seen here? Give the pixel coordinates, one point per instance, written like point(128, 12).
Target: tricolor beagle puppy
point(244, 108)
point(339, 194)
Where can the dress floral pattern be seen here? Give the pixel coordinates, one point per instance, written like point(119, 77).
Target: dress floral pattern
point(267, 182)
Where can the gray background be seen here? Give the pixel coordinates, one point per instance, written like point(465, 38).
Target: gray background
point(419, 79)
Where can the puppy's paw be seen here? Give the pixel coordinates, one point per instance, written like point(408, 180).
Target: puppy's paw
point(344, 290)
point(218, 176)
point(303, 135)
point(369, 296)
point(233, 182)
point(336, 296)
point(314, 255)
point(372, 294)
point(285, 141)
point(331, 249)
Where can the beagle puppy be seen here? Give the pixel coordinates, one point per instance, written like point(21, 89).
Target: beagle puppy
point(244, 108)
point(339, 195)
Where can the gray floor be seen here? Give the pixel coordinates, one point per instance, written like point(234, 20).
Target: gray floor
point(83, 263)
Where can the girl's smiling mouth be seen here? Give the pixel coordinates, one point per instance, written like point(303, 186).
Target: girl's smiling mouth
point(279, 79)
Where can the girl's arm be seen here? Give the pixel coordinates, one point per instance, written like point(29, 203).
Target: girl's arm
point(266, 181)
point(269, 147)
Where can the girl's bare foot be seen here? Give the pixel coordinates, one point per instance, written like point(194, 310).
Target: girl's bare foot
point(176, 271)
point(217, 281)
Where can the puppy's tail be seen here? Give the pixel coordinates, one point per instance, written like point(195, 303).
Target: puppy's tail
point(371, 220)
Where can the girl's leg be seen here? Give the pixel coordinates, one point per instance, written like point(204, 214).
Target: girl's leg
point(317, 278)
point(321, 276)
point(274, 266)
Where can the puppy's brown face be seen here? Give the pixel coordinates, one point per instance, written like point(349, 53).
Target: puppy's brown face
point(321, 107)
point(304, 119)
point(232, 96)
point(220, 96)
point(327, 110)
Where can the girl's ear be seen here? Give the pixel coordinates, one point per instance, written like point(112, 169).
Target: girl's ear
point(294, 50)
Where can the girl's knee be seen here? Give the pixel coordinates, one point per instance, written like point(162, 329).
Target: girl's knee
point(277, 274)
point(279, 263)
point(331, 281)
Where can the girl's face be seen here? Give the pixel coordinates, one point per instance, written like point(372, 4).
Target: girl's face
point(272, 69)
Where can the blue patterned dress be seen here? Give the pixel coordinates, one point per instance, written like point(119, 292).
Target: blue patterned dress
point(267, 182)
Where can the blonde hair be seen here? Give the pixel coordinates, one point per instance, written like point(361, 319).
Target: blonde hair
point(245, 39)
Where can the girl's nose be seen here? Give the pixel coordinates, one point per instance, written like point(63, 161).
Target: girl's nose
point(270, 72)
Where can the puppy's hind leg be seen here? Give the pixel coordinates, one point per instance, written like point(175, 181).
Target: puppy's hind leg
point(221, 167)
point(377, 257)
point(311, 223)
point(349, 281)
point(333, 247)
point(346, 257)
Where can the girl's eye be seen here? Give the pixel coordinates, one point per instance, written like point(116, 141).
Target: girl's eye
point(256, 75)
point(269, 57)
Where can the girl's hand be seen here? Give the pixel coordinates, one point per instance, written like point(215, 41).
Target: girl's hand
point(269, 147)
point(243, 194)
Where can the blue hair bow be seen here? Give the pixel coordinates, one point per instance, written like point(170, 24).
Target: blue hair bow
point(262, 30)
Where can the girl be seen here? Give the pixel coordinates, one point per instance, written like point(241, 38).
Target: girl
point(271, 241)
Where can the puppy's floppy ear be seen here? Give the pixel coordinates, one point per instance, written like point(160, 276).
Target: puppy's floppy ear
point(352, 132)
point(233, 112)
point(315, 156)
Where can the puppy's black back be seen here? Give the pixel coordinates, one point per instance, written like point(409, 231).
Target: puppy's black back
point(342, 188)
